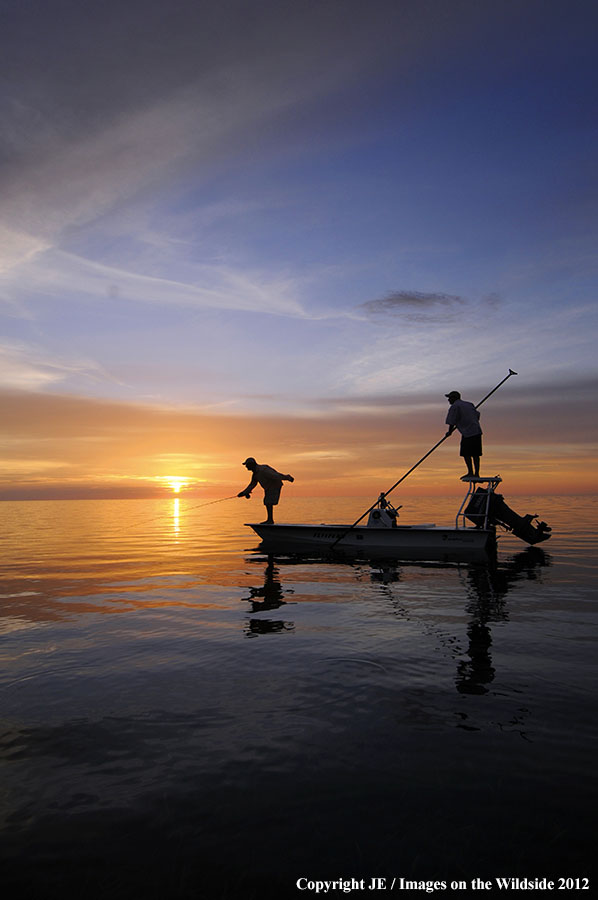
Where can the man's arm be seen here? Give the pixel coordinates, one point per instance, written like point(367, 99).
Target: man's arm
point(451, 420)
point(249, 488)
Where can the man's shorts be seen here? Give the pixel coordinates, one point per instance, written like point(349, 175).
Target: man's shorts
point(471, 446)
point(272, 495)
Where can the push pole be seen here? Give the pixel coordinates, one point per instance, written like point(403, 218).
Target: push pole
point(511, 372)
point(418, 463)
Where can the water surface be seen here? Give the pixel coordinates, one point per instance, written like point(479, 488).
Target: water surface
point(184, 716)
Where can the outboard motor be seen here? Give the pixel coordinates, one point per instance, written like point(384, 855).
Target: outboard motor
point(498, 512)
point(384, 515)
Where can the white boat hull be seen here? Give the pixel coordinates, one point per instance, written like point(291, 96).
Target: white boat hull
point(404, 541)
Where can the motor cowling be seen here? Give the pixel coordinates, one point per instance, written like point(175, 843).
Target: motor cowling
point(522, 527)
point(384, 515)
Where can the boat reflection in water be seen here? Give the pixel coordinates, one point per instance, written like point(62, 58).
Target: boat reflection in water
point(486, 587)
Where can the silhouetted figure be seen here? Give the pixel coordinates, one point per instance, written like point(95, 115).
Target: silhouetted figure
point(463, 416)
point(487, 588)
point(271, 595)
point(477, 671)
point(270, 480)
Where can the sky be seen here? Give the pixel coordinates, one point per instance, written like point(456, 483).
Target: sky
point(287, 230)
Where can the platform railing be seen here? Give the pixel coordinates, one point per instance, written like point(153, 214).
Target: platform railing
point(491, 485)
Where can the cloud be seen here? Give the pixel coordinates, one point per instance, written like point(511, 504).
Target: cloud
point(469, 353)
point(563, 393)
point(80, 445)
point(416, 306)
point(57, 274)
point(146, 147)
point(100, 107)
point(80, 181)
point(427, 307)
point(16, 246)
point(322, 453)
point(570, 394)
point(29, 367)
point(131, 104)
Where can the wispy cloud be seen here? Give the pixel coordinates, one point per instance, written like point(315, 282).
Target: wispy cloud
point(18, 247)
point(79, 147)
point(165, 168)
point(321, 454)
point(58, 274)
point(395, 358)
point(64, 439)
point(30, 367)
point(570, 392)
point(82, 170)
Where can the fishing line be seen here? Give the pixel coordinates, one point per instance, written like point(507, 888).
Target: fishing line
point(210, 503)
point(183, 512)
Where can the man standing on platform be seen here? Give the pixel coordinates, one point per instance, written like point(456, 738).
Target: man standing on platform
point(463, 416)
point(270, 480)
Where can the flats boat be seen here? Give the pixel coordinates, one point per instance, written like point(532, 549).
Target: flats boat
point(473, 535)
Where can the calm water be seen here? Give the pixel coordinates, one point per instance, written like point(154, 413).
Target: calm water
point(184, 717)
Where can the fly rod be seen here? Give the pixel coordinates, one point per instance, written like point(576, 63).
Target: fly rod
point(418, 463)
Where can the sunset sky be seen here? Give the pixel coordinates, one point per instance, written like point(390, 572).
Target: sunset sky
point(287, 229)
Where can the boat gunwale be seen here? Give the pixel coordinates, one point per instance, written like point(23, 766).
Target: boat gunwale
point(369, 528)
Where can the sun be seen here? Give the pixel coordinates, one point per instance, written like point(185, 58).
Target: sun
point(175, 483)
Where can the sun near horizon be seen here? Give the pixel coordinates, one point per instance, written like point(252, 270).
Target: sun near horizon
point(61, 447)
point(174, 482)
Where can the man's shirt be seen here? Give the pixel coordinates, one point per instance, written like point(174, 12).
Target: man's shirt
point(265, 476)
point(465, 417)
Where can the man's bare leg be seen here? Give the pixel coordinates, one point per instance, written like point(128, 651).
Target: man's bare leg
point(270, 519)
